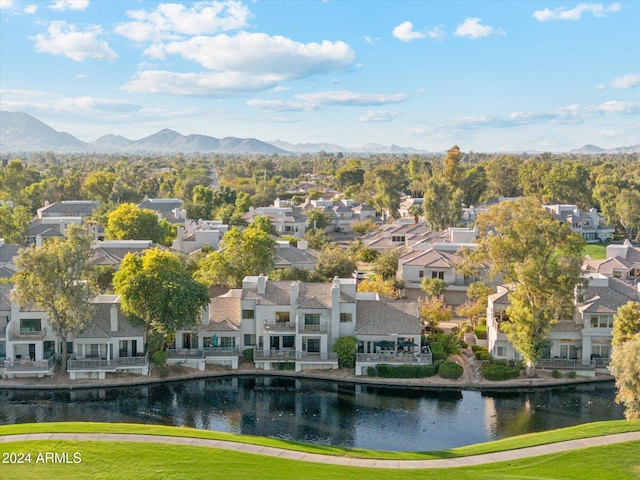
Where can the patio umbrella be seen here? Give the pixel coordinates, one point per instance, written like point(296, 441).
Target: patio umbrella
point(407, 344)
point(385, 344)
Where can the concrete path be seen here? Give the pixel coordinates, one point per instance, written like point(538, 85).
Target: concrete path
point(334, 460)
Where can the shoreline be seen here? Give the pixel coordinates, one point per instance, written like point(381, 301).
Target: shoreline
point(543, 380)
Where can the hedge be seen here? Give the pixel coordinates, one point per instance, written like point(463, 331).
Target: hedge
point(481, 332)
point(406, 371)
point(450, 370)
point(494, 372)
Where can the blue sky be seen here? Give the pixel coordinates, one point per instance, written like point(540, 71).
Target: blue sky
point(487, 76)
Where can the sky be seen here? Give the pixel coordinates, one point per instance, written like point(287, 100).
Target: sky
point(488, 76)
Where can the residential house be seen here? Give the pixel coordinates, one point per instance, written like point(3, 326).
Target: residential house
point(623, 262)
point(112, 252)
point(167, 208)
point(298, 257)
point(388, 332)
point(69, 208)
point(285, 219)
point(397, 235)
point(195, 235)
point(5, 317)
point(581, 342)
point(8, 253)
point(589, 224)
point(343, 212)
point(407, 203)
point(108, 343)
point(41, 229)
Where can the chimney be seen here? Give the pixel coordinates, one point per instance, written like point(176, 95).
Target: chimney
point(262, 284)
point(180, 238)
point(114, 317)
point(303, 244)
point(38, 240)
point(295, 289)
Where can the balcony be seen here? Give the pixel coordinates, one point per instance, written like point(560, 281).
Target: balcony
point(274, 355)
point(28, 335)
point(31, 366)
point(221, 351)
point(395, 358)
point(570, 363)
point(316, 357)
point(279, 327)
point(94, 364)
point(313, 329)
point(185, 354)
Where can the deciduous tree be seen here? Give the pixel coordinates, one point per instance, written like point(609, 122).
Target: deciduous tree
point(625, 366)
point(56, 277)
point(157, 290)
point(538, 259)
point(128, 222)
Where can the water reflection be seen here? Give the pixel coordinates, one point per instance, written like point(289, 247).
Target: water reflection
point(324, 412)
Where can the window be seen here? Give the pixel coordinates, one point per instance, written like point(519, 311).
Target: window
point(249, 340)
point(601, 321)
point(288, 341)
point(397, 238)
point(346, 317)
point(602, 351)
point(501, 351)
point(312, 319)
point(228, 342)
point(313, 345)
point(421, 274)
point(248, 314)
point(439, 275)
point(282, 317)
point(28, 325)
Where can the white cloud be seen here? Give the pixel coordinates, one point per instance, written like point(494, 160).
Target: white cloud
point(631, 80)
point(378, 116)
point(65, 39)
point(6, 4)
point(570, 114)
point(344, 97)
point(561, 13)
point(43, 101)
point(405, 33)
point(69, 5)
point(200, 84)
point(472, 27)
point(171, 21)
point(282, 106)
point(437, 33)
point(260, 53)
point(30, 9)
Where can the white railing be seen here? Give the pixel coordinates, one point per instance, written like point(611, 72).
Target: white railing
point(399, 358)
point(185, 353)
point(274, 355)
point(30, 365)
point(279, 327)
point(313, 328)
point(27, 335)
point(220, 351)
point(111, 365)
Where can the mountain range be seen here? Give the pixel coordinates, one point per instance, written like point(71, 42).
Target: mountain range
point(20, 132)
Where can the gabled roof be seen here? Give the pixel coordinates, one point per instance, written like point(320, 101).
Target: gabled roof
point(377, 317)
point(225, 311)
point(224, 325)
point(601, 299)
point(312, 304)
point(430, 258)
point(8, 251)
point(69, 208)
point(100, 324)
point(287, 256)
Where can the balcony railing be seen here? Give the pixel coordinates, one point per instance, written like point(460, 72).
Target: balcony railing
point(274, 355)
point(107, 365)
point(30, 365)
point(313, 328)
point(570, 363)
point(185, 353)
point(221, 351)
point(314, 357)
point(397, 358)
point(279, 327)
point(27, 334)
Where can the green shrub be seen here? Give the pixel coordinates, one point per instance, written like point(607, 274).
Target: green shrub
point(476, 348)
point(406, 371)
point(556, 374)
point(450, 370)
point(502, 362)
point(248, 355)
point(345, 347)
point(481, 332)
point(483, 356)
point(284, 366)
point(159, 358)
point(571, 375)
point(494, 372)
point(371, 372)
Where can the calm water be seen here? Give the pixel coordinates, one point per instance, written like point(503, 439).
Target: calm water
point(324, 412)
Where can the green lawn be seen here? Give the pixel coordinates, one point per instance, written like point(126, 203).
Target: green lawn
point(596, 251)
point(528, 440)
point(106, 460)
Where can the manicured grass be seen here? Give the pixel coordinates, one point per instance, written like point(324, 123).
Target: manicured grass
point(596, 251)
point(528, 440)
point(106, 460)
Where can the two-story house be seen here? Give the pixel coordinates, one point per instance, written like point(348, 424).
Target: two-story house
point(623, 262)
point(590, 224)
